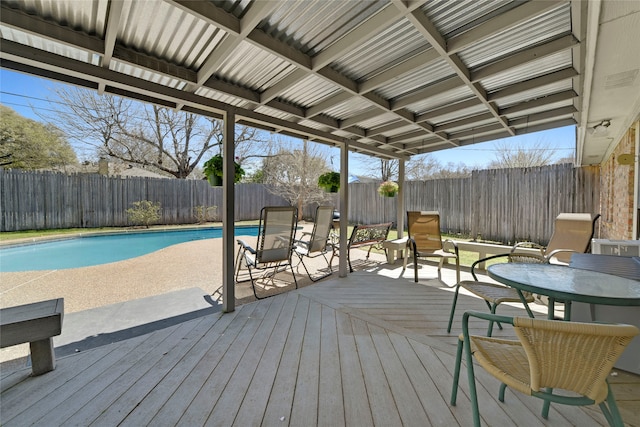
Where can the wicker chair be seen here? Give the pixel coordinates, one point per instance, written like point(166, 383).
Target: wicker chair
point(493, 293)
point(549, 354)
point(425, 241)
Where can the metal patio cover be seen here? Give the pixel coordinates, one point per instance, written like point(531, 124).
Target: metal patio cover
point(392, 78)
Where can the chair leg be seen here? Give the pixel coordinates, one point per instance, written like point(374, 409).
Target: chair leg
point(456, 373)
point(253, 286)
point(610, 410)
point(492, 309)
point(546, 405)
point(453, 308)
point(415, 267)
point(309, 273)
point(473, 394)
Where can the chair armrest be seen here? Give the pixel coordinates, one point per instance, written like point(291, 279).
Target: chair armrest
point(411, 244)
point(531, 244)
point(452, 243)
point(559, 251)
point(481, 260)
point(485, 316)
point(245, 246)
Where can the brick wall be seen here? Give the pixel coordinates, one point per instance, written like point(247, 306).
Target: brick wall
point(616, 192)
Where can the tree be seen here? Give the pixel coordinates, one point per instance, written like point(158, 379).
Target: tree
point(294, 175)
point(28, 144)
point(427, 167)
point(382, 169)
point(521, 156)
point(158, 138)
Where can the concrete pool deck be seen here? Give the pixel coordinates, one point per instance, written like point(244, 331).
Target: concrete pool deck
point(87, 290)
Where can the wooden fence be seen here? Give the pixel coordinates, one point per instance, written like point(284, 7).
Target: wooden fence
point(504, 205)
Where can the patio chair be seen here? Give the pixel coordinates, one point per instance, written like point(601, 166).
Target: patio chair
point(495, 294)
point(548, 354)
point(315, 244)
point(425, 241)
point(276, 230)
point(572, 233)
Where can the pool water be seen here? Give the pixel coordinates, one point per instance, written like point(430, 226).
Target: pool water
point(85, 251)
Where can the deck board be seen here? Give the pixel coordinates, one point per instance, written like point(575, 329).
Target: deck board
point(361, 351)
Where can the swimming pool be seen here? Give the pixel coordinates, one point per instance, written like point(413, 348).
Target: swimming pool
point(90, 250)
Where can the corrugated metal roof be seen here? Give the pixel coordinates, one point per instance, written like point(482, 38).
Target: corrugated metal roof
point(350, 108)
point(530, 33)
point(387, 49)
point(86, 16)
point(309, 91)
point(312, 62)
point(417, 79)
point(443, 98)
point(454, 17)
point(253, 68)
point(65, 50)
point(313, 26)
point(536, 93)
point(530, 70)
point(159, 28)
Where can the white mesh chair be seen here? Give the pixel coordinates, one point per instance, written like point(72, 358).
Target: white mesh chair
point(316, 244)
point(274, 245)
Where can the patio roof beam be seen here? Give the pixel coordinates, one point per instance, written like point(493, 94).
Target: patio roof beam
point(500, 23)
point(539, 102)
point(317, 65)
point(163, 95)
point(521, 58)
point(50, 31)
point(111, 32)
point(254, 14)
point(534, 83)
point(468, 121)
point(396, 72)
point(387, 128)
point(448, 109)
point(431, 34)
point(427, 92)
point(545, 115)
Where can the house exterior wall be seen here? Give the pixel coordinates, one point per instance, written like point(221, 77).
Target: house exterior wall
point(616, 192)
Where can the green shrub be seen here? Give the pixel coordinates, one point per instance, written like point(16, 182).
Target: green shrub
point(144, 213)
point(205, 213)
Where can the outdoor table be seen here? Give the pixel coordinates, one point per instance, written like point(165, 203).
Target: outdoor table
point(623, 266)
point(595, 289)
point(567, 284)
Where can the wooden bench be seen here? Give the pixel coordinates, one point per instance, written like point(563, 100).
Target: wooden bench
point(36, 324)
point(372, 235)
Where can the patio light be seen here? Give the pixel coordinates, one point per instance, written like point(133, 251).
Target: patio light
point(601, 129)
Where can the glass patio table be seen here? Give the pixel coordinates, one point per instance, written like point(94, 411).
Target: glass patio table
point(566, 284)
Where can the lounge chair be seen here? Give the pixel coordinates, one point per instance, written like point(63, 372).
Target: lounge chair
point(495, 294)
point(316, 243)
point(425, 241)
point(549, 354)
point(572, 233)
point(276, 230)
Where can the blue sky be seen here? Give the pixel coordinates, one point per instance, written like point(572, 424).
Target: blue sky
point(28, 94)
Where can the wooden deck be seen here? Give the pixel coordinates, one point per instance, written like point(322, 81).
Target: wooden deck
point(367, 350)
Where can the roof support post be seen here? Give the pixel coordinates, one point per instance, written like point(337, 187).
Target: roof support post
point(344, 209)
point(400, 201)
point(228, 212)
